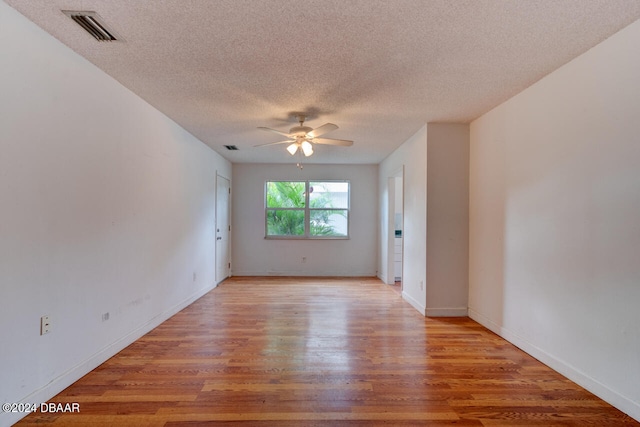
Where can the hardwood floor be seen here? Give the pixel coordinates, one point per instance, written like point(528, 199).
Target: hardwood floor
point(323, 352)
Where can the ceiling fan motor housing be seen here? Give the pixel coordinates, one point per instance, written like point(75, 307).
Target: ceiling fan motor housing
point(300, 130)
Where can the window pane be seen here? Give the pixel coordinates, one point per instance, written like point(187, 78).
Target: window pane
point(329, 195)
point(324, 222)
point(285, 194)
point(285, 222)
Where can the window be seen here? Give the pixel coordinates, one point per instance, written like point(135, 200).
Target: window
point(307, 209)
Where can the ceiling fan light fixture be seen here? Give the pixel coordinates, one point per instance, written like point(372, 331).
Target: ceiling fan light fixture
point(303, 137)
point(307, 149)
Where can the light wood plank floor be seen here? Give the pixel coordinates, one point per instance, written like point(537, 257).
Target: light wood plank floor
point(323, 352)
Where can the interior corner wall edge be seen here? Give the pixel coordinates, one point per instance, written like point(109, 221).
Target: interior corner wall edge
point(554, 230)
point(107, 205)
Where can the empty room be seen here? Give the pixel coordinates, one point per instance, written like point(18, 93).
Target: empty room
point(300, 213)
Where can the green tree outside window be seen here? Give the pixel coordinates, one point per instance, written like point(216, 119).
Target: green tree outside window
point(307, 209)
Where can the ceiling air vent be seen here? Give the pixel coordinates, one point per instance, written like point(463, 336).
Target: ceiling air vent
point(231, 147)
point(90, 21)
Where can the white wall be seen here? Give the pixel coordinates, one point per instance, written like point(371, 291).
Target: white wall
point(105, 206)
point(255, 255)
point(555, 220)
point(447, 219)
point(412, 154)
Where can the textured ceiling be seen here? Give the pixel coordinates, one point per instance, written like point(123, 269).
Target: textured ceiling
point(379, 70)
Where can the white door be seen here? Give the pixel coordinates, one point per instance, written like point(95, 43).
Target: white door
point(223, 229)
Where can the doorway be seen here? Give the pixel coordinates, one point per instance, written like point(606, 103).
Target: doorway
point(398, 238)
point(223, 228)
point(395, 235)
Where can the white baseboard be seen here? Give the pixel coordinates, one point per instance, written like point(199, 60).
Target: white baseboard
point(447, 312)
point(64, 380)
point(383, 279)
point(414, 303)
point(623, 403)
point(302, 274)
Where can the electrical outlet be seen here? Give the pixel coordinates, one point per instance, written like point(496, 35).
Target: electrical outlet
point(45, 325)
point(194, 276)
point(105, 317)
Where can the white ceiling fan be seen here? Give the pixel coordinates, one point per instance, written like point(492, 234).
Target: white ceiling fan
point(302, 137)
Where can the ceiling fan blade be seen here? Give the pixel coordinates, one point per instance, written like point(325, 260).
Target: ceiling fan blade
point(326, 128)
point(273, 143)
point(276, 131)
point(329, 141)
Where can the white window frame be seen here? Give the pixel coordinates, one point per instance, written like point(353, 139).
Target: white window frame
point(307, 211)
